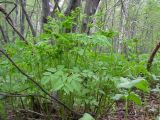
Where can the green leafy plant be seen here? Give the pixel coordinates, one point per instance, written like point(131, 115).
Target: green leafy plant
point(127, 94)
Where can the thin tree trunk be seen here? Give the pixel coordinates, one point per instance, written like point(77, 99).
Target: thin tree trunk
point(15, 20)
point(30, 16)
point(22, 2)
point(45, 11)
point(90, 9)
point(6, 25)
point(38, 18)
point(123, 26)
point(3, 34)
point(22, 19)
point(113, 14)
point(73, 4)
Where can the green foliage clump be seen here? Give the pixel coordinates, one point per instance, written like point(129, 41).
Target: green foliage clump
point(83, 70)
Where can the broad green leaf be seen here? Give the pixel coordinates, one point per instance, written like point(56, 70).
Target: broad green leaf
point(76, 86)
point(143, 85)
point(94, 102)
point(135, 98)
point(59, 73)
point(66, 90)
point(75, 77)
point(87, 116)
point(69, 87)
point(81, 52)
point(118, 97)
point(102, 92)
point(53, 70)
point(47, 73)
point(139, 83)
point(46, 79)
point(60, 67)
point(57, 84)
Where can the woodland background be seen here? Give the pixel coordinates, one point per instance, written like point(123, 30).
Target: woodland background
point(79, 59)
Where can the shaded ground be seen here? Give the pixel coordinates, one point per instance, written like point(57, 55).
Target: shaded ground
point(149, 111)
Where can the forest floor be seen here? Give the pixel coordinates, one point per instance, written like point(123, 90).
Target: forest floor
point(149, 111)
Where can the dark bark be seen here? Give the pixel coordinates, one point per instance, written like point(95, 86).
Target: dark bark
point(30, 16)
point(3, 34)
point(73, 4)
point(22, 18)
point(56, 6)
point(22, 2)
point(5, 23)
point(45, 11)
point(90, 9)
point(151, 58)
point(15, 20)
point(10, 21)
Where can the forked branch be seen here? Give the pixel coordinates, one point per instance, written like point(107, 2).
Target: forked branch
point(9, 20)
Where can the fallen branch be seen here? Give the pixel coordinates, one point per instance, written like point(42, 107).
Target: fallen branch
point(30, 111)
point(36, 113)
point(6, 95)
point(151, 58)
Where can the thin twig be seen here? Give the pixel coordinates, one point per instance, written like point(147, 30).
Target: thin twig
point(56, 6)
point(24, 110)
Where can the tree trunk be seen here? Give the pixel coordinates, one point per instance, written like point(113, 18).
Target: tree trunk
point(6, 26)
point(73, 4)
point(22, 2)
point(45, 11)
point(22, 19)
point(90, 9)
point(123, 26)
point(3, 34)
point(15, 20)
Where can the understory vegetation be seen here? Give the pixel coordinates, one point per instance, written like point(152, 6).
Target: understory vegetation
point(63, 76)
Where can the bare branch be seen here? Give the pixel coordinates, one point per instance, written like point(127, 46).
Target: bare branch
point(151, 58)
point(10, 22)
